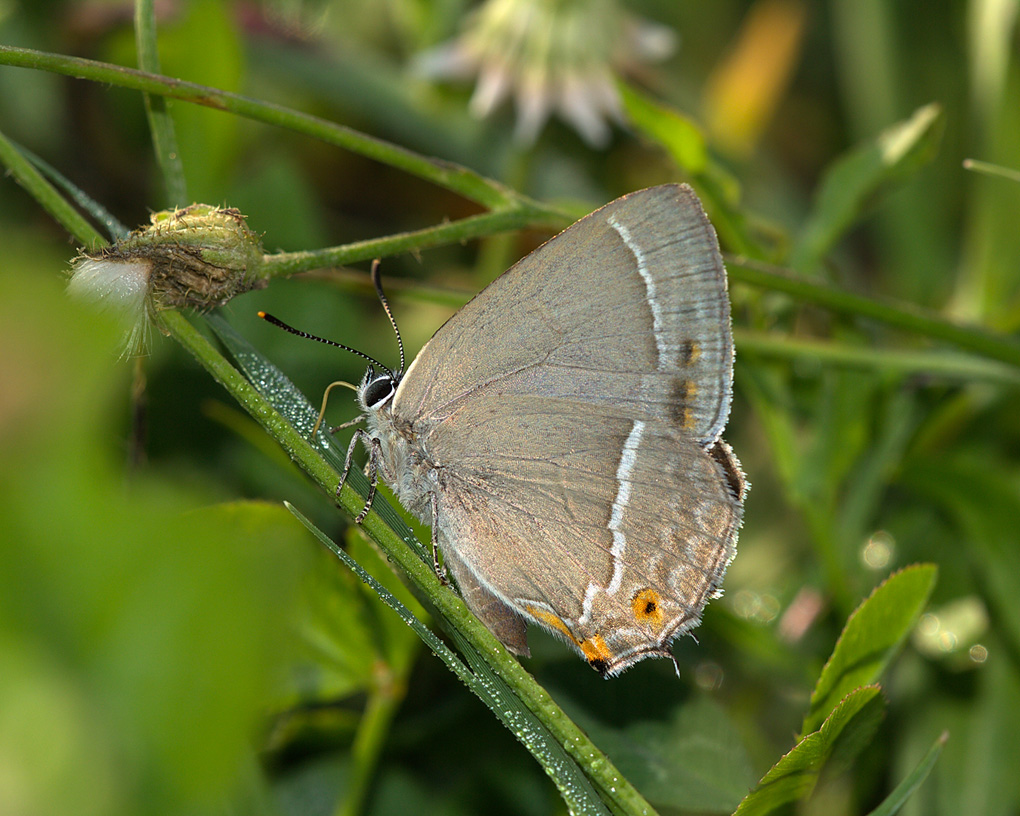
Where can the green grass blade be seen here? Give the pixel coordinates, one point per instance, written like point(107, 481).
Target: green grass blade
point(895, 800)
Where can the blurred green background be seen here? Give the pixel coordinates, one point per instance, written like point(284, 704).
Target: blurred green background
point(172, 641)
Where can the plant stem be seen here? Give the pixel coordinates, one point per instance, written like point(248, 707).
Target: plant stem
point(47, 196)
point(448, 175)
point(161, 125)
point(368, 744)
point(904, 316)
point(474, 226)
point(940, 364)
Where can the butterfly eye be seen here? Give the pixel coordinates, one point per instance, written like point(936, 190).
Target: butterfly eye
point(378, 392)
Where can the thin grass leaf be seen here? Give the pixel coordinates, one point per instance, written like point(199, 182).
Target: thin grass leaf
point(894, 801)
point(680, 136)
point(114, 227)
point(46, 195)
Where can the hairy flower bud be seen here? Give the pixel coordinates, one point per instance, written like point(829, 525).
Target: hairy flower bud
point(197, 257)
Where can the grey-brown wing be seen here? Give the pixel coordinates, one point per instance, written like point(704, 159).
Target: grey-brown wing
point(611, 532)
point(627, 307)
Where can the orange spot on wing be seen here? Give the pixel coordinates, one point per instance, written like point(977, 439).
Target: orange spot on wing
point(596, 651)
point(647, 607)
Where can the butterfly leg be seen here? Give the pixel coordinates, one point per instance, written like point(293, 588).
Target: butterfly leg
point(374, 452)
point(439, 568)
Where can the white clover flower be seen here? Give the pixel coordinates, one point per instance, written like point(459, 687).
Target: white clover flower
point(197, 257)
point(551, 56)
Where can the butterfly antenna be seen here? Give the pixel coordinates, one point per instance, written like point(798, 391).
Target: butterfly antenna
point(279, 323)
point(377, 282)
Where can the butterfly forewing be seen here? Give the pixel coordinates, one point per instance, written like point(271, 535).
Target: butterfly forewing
point(626, 308)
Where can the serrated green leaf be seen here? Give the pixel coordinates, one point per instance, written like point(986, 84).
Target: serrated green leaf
point(855, 180)
point(871, 637)
point(849, 727)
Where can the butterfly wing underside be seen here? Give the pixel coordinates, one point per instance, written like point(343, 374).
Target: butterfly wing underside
point(582, 484)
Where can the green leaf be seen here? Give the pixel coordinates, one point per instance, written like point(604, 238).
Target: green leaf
point(855, 181)
point(870, 638)
point(114, 228)
point(846, 731)
point(685, 143)
point(677, 134)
